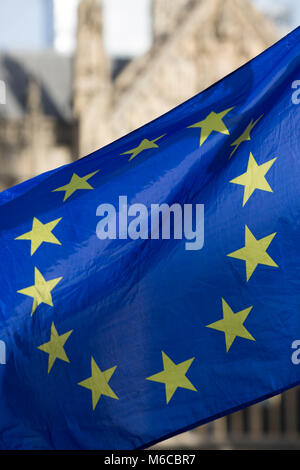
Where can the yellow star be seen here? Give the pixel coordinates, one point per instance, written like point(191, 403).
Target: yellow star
point(254, 252)
point(254, 178)
point(40, 233)
point(77, 182)
point(244, 136)
point(55, 347)
point(232, 324)
point(41, 290)
point(144, 145)
point(98, 383)
point(212, 122)
point(173, 376)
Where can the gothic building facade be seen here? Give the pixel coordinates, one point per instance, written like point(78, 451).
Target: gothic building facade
point(37, 129)
point(195, 43)
point(58, 109)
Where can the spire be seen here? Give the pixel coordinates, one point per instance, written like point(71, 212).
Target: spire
point(92, 71)
point(165, 14)
point(34, 104)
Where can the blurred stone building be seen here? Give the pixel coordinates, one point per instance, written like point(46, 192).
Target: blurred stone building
point(195, 43)
point(58, 109)
point(37, 129)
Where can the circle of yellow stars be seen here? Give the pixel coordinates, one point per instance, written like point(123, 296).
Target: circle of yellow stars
point(173, 375)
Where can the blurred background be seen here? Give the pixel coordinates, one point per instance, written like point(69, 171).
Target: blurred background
point(81, 73)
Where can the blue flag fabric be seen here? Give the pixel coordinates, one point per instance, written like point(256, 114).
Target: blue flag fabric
point(115, 337)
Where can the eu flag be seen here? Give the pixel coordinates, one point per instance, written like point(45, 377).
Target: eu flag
point(154, 285)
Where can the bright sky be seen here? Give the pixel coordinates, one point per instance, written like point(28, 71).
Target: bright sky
point(288, 8)
point(65, 12)
point(25, 25)
point(127, 26)
point(128, 23)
